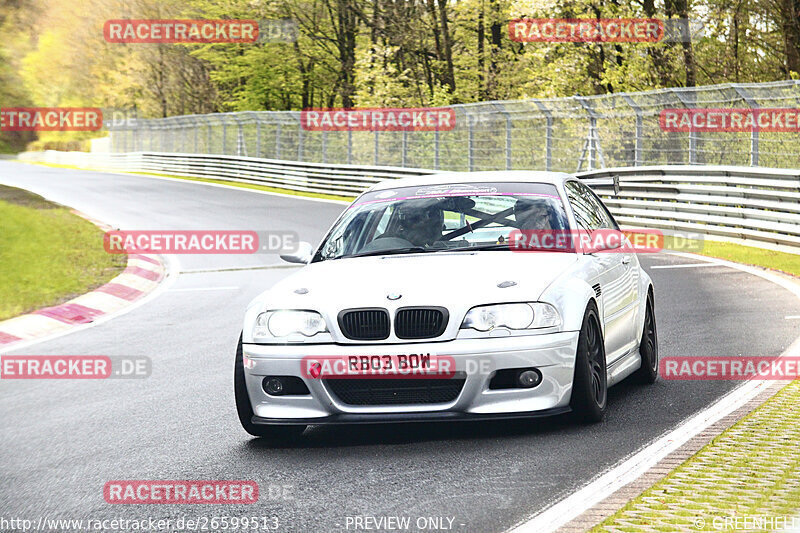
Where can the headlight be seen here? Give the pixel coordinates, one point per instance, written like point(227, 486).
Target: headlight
point(287, 322)
point(512, 316)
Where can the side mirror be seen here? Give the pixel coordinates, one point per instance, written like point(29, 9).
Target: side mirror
point(302, 255)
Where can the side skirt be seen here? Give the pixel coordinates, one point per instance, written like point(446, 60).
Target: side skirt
point(624, 367)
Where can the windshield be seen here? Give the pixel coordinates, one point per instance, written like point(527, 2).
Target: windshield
point(475, 216)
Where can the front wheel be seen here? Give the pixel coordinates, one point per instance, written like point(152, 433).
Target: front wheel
point(245, 409)
point(590, 383)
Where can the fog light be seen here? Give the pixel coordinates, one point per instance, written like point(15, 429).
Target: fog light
point(529, 378)
point(274, 386)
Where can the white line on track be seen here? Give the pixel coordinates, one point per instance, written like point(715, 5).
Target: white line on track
point(187, 289)
point(686, 265)
point(792, 317)
point(633, 466)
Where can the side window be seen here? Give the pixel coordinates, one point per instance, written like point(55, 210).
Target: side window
point(589, 210)
point(585, 211)
point(602, 210)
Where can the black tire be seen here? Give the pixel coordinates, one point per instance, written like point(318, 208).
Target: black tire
point(590, 381)
point(245, 409)
point(648, 346)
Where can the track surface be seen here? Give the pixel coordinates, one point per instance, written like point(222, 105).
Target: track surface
point(62, 441)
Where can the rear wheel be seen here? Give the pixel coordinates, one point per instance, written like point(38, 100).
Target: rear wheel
point(589, 383)
point(648, 346)
point(245, 409)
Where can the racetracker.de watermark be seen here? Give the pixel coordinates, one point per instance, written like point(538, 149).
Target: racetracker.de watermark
point(784, 120)
point(379, 119)
point(188, 31)
point(200, 242)
point(75, 367)
point(603, 30)
point(51, 119)
point(729, 368)
point(180, 492)
point(602, 241)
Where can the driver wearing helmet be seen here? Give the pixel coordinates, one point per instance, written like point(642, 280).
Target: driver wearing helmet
point(533, 214)
point(421, 225)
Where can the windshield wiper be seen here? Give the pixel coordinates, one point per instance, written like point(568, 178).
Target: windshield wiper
point(496, 246)
point(393, 251)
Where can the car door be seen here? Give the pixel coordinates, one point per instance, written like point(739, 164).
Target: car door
point(616, 280)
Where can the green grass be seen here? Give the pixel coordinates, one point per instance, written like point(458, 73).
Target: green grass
point(47, 254)
point(751, 470)
point(785, 262)
point(739, 253)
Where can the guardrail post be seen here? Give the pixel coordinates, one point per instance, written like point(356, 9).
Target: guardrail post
point(377, 148)
point(278, 140)
point(195, 128)
point(404, 150)
point(742, 92)
point(501, 108)
point(224, 137)
point(300, 141)
point(258, 137)
point(324, 146)
point(692, 134)
point(548, 139)
point(349, 147)
point(508, 142)
point(241, 146)
point(592, 143)
point(470, 143)
point(637, 149)
point(436, 150)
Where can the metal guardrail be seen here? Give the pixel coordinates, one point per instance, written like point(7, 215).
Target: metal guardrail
point(567, 134)
point(754, 205)
point(760, 206)
point(343, 180)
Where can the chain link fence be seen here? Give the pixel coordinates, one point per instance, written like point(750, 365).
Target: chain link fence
point(560, 134)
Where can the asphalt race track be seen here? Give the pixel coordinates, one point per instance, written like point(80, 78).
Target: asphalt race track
point(61, 441)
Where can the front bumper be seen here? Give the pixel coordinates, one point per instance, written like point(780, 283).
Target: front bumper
point(553, 354)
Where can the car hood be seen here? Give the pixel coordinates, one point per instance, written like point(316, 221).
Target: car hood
point(457, 281)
